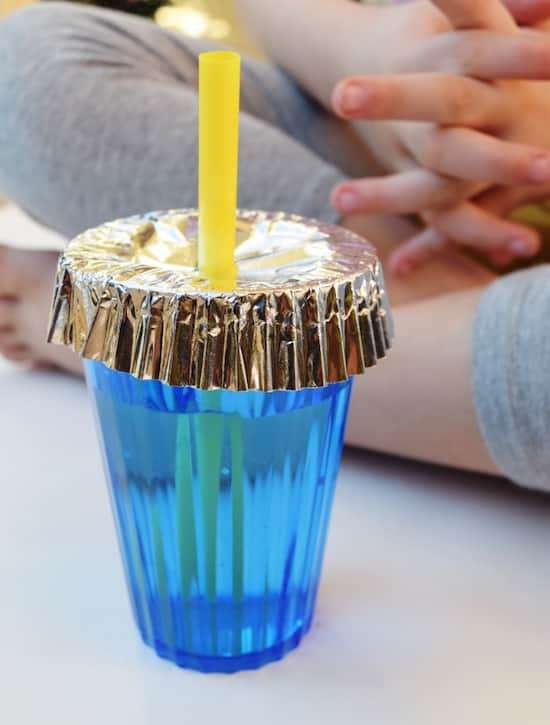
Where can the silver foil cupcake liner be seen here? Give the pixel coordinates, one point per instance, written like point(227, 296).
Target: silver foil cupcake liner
point(307, 306)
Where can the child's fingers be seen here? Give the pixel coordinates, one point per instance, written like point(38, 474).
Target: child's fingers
point(470, 225)
point(503, 201)
point(483, 54)
point(417, 250)
point(490, 14)
point(529, 11)
point(443, 99)
point(467, 225)
point(402, 193)
point(474, 156)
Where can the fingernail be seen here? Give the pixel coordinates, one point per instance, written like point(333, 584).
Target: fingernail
point(540, 169)
point(347, 201)
point(522, 248)
point(353, 98)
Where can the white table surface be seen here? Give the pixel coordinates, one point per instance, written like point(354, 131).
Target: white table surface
point(434, 606)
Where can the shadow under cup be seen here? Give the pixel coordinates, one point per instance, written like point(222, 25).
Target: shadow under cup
point(222, 501)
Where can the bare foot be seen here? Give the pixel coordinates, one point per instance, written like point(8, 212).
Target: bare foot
point(26, 284)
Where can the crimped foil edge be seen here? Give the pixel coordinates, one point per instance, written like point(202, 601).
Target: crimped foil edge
point(283, 339)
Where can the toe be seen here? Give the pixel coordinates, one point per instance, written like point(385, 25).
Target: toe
point(7, 336)
point(9, 271)
point(16, 353)
point(5, 285)
point(7, 312)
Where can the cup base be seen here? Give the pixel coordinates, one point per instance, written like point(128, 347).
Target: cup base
point(228, 665)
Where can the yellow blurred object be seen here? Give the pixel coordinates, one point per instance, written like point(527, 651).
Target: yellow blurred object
point(210, 19)
point(6, 6)
point(192, 22)
point(219, 89)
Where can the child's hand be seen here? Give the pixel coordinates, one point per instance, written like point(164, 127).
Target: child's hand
point(458, 126)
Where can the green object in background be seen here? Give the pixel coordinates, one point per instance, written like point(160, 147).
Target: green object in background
point(538, 217)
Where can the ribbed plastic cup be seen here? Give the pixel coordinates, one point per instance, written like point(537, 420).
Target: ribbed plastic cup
point(222, 502)
point(221, 410)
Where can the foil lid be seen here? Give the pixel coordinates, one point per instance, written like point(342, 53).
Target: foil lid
point(307, 307)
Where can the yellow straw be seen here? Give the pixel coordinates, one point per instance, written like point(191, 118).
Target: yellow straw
point(219, 81)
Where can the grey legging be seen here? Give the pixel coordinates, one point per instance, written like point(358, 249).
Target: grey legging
point(98, 114)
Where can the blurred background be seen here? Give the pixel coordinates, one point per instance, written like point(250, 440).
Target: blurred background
point(214, 19)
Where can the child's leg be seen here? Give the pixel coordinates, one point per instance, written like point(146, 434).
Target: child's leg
point(419, 403)
point(99, 121)
point(467, 384)
point(511, 381)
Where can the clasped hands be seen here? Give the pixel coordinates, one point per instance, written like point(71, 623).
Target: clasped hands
point(459, 119)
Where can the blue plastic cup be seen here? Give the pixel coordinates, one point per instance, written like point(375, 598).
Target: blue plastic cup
point(222, 502)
